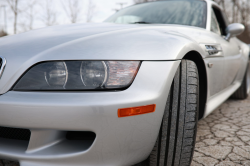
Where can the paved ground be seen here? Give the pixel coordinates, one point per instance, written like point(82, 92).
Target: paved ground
point(223, 138)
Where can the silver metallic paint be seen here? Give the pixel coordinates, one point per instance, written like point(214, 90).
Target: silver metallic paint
point(141, 43)
point(234, 30)
point(120, 141)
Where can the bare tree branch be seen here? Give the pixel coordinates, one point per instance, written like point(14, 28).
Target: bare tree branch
point(238, 11)
point(90, 11)
point(72, 8)
point(2, 33)
point(14, 7)
point(50, 15)
point(31, 13)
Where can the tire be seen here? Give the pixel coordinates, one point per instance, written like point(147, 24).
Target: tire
point(176, 140)
point(242, 92)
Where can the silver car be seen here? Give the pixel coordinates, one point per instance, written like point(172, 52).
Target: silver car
point(125, 92)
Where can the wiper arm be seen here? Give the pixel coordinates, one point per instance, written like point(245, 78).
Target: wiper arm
point(141, 22)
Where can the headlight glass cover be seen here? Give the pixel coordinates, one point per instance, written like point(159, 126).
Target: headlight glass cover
point(79, 75)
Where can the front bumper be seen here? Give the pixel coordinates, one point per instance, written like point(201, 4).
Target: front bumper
point(119, 141)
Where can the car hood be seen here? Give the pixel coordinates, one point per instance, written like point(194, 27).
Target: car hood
point(104, 41)
point(75, 41)
point(31, 43)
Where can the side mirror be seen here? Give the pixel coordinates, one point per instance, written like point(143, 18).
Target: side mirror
point(234, 30)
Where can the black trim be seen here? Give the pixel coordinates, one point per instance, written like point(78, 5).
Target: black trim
point(15, 133)
point(80, 135)
point(221, 19)
point(1, 62)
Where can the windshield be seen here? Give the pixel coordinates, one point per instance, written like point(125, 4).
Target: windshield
point(182, 12)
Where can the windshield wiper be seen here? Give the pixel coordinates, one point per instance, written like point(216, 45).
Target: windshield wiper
point(141, 22)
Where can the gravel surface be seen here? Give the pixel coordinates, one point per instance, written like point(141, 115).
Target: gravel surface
point(223, 138)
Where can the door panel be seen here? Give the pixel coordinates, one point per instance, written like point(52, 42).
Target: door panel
point(230, 49)
point(225, 66)
point(215, 74)
point(232, 61)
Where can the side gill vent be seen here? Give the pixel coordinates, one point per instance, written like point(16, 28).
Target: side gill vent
point(213, 49)
point(2, 65)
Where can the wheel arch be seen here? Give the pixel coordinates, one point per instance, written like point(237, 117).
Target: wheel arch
point(198, 60)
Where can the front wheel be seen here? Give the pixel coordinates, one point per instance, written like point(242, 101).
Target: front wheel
point(176, 139)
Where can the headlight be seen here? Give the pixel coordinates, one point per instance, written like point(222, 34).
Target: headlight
point(79, 75)
point(56, 74)
point(93, 73)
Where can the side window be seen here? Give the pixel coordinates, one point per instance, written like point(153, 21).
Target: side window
point(214, 24)
point(221, 19)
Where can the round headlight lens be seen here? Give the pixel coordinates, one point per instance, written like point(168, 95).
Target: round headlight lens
point(56, 74)
point(93, 73)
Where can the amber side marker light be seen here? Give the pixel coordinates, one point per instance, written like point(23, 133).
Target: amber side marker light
point(124, 112)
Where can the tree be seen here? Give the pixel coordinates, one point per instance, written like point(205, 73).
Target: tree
point(30, 13)
point(238, 11)
point(14, 8)
point(90, 11)
point(72, 9)
point(50, 16)
point(2, 33)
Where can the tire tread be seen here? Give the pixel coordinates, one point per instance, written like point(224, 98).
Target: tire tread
point(176, 140)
